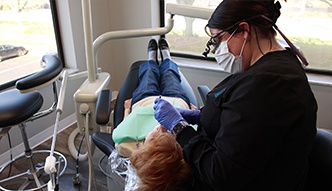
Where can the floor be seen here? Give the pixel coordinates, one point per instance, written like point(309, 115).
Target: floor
point(66, 182)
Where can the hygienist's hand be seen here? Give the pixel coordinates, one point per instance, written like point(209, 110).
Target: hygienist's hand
point(192, 116)
point(166, 114)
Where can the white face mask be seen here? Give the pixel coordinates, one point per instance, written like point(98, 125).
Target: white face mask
point(228, 62)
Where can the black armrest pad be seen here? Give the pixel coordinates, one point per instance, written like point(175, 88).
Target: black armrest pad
point(53, 68)
point(187, 88)
point(203, 91)
point(321, 154)
point(103, 107)
point(320, 162)
point(104, 142)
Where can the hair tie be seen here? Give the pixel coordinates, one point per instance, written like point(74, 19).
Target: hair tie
point(274, 9)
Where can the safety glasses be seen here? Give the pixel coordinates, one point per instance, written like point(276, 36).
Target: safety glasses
point(214, 40)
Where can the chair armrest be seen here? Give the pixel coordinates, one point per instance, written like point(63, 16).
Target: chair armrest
point(203, 90)
point(104, 142)
point(320, 162)
point(187, 88)
point(103, 107)
point(42, 78)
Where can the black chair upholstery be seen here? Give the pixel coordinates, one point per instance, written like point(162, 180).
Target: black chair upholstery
point(203, 90)
point(104, 141)
point(16, 107)
point(320, 162)
point(104, 107)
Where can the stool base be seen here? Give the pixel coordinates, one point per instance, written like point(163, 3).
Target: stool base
point(23, 178)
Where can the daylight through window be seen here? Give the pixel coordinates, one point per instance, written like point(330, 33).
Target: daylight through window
point(27, 33)
point(307, 23)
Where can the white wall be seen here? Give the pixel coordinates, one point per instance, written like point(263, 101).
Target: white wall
point(116, 56)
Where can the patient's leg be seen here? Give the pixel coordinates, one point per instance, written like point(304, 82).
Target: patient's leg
point(170, 81)
point(148, 84)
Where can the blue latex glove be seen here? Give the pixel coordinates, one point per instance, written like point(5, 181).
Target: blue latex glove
point(166, 114)
point(190, 115)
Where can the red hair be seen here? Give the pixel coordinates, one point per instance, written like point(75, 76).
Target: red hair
point(160, 165)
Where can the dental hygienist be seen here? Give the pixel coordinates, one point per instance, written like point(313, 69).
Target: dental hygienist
point(258, 125)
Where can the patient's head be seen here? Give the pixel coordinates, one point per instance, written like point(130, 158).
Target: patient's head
point(160, 164)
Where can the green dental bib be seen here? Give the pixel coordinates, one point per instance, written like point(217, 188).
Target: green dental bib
point(136, 126)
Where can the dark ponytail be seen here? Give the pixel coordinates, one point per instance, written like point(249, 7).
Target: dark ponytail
point(230, 13)
point(273, 9)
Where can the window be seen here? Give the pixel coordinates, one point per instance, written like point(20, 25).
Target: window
point(305, 22)
point(27, 33)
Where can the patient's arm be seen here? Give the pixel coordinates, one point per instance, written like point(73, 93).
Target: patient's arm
point(192, 106)
point(126, 106)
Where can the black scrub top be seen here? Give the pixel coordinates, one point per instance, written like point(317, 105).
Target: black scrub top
point(257, 129)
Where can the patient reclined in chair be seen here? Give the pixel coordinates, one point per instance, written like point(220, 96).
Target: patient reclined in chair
point(145, 82)
point(130, 89)
point(153, 81)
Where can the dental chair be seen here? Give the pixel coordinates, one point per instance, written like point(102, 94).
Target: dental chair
point(22, 105)
point(104, 141)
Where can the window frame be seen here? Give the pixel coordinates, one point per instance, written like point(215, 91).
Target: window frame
point(56, 27)
point(191, 56)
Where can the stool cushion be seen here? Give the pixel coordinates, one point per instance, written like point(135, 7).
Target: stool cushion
point(15, 107)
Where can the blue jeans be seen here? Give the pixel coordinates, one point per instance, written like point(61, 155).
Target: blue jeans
point(155, 80)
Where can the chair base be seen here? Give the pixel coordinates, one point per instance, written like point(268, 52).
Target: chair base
point(23, 178)
point(115, 182)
